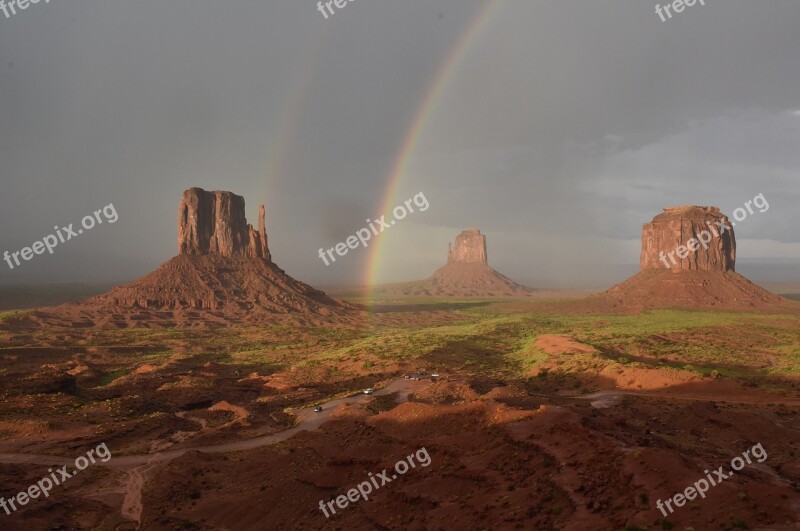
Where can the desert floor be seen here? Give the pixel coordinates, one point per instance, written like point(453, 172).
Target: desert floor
point(546, 415)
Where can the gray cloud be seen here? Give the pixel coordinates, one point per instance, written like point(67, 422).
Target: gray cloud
point(567, 125)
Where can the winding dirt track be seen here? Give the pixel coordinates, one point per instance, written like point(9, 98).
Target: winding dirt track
point(138, 467)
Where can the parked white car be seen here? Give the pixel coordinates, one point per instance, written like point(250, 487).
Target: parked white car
point(369, 391)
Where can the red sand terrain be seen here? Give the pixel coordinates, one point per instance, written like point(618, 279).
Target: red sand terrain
point(191, 291)
point(656, 288)
point(457, 279)
point(556, 344)
point(503, 456)
point(517, 463)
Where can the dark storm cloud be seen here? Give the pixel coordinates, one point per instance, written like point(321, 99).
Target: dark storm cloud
point(567, 125)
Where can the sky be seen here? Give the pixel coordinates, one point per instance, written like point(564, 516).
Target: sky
point(559, 129)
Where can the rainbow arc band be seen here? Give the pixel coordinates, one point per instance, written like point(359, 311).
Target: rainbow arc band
point(424, 113)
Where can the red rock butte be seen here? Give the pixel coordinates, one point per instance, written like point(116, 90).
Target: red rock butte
point(223, 275)
point(715, 249)
point(688, 260)
point(470, 248)
point(466, 274)
point(214, 223)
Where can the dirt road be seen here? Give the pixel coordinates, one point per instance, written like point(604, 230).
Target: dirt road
point(138, 467)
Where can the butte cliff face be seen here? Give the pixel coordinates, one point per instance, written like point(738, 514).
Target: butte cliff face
point(223, 274)
point(214, 223)
point(470, 248)
point(466, 274)
point(689, 238)
point(688, 260)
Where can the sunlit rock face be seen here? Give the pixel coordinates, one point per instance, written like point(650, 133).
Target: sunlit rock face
point(689, 238)
point(213, 223)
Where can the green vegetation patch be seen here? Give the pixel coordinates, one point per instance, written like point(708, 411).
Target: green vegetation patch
point(13, 314)
point(109, 377)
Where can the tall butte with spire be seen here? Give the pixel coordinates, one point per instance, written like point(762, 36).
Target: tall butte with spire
point(466, 274)
point(688, 259)
point(214, 223)
point(470, 248)
point(223, 274)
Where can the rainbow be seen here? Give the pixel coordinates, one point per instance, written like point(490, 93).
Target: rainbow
point(423, 115)
point(290, 117)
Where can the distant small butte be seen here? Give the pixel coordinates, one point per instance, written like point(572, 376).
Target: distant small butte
point(465, 274)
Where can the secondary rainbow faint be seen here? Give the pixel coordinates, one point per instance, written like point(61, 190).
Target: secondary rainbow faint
point(291, 115)
point(421, 119)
